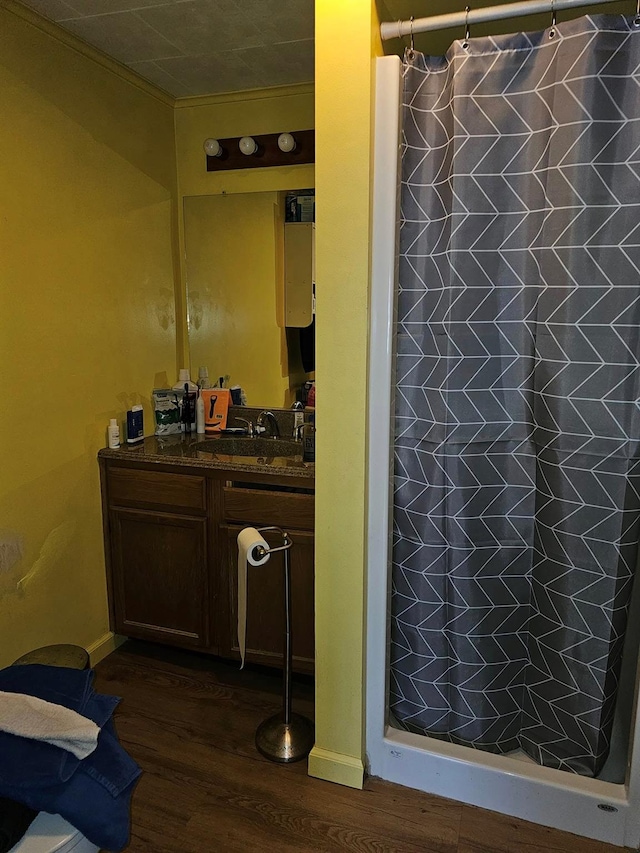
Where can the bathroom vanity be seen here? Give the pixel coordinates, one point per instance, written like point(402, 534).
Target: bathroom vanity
point(172, 509)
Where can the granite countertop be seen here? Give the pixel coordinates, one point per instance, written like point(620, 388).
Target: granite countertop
point(185, 451)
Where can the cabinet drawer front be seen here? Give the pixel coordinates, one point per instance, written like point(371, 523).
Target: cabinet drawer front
point(251, 506)
point(133, 487)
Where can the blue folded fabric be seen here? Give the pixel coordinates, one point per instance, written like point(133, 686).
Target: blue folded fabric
point(93, 794)
point(37, 763)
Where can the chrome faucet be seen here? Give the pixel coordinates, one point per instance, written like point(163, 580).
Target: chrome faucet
point(249, 426)
point(270, 418)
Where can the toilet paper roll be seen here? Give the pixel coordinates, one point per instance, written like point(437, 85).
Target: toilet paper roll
point(248, 541)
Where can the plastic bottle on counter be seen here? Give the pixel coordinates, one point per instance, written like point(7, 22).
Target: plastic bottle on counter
point(298, 419)
point(135, 427)
point(185, 379)
point(203, 378)
point(114, 434)
point(311, 397)
point(309, 440)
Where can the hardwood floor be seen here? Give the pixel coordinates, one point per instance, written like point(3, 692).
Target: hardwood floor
point(189, 721)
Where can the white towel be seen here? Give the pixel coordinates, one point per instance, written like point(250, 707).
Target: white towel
point(36, 719)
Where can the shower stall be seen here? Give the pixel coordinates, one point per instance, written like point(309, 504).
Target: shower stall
point(423, 730)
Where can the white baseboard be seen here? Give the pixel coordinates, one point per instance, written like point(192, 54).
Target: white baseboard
point(336, 767)
point(102, 647)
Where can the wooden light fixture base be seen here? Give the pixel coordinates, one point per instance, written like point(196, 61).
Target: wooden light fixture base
point(268, 153)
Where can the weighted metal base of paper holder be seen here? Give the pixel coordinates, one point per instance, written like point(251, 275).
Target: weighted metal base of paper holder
point(285, 742)
point(285, 737)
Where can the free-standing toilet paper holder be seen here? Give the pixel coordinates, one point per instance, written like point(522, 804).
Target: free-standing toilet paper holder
point(287, 736)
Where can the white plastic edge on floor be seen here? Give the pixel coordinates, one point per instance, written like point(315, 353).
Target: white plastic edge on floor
point(500, 783)
point(49, 833)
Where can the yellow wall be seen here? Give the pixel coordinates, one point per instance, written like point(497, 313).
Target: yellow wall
point(245, 113)
point(346, 39)
point(87, 316)
point(87, 323)
point(240, 114)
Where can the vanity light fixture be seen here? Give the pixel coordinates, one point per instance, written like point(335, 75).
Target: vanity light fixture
point(248, 145)
point(260, 151)
point(213, 148)
point(286, 142)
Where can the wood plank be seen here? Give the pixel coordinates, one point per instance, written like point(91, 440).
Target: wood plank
point(256, 803)
point(174, 492)
point(257, 507)
point(483, 831)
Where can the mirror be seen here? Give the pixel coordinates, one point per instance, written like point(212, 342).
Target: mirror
point(235, 296)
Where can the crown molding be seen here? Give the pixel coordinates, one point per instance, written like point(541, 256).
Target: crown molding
point(245, 95)
point(93, 53)
point(72, 41)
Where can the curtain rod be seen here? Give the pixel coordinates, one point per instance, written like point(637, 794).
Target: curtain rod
point(397, 29)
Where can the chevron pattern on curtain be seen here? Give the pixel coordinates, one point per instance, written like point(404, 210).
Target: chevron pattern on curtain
point(517, 446)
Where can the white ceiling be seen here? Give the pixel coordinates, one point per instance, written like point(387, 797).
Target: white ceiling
point(197, 47)
point(202, 47)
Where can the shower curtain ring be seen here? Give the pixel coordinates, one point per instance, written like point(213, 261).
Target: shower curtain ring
point(636, 20)
point(552, 31)
point(411, 45)
point(467, 30)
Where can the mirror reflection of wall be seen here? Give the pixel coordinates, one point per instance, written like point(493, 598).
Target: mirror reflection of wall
point(235, 274)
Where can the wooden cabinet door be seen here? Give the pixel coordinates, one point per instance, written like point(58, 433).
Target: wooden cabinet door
point(160, 579)
point(265, 603)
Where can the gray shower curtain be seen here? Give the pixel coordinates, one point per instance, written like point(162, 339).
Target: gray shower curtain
point(517, 398)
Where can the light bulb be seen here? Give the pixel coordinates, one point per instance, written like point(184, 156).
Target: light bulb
point(286, 142)
point(212, 147)
point(248, 145)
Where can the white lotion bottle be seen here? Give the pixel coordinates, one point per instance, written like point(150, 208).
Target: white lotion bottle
point(114, 434)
